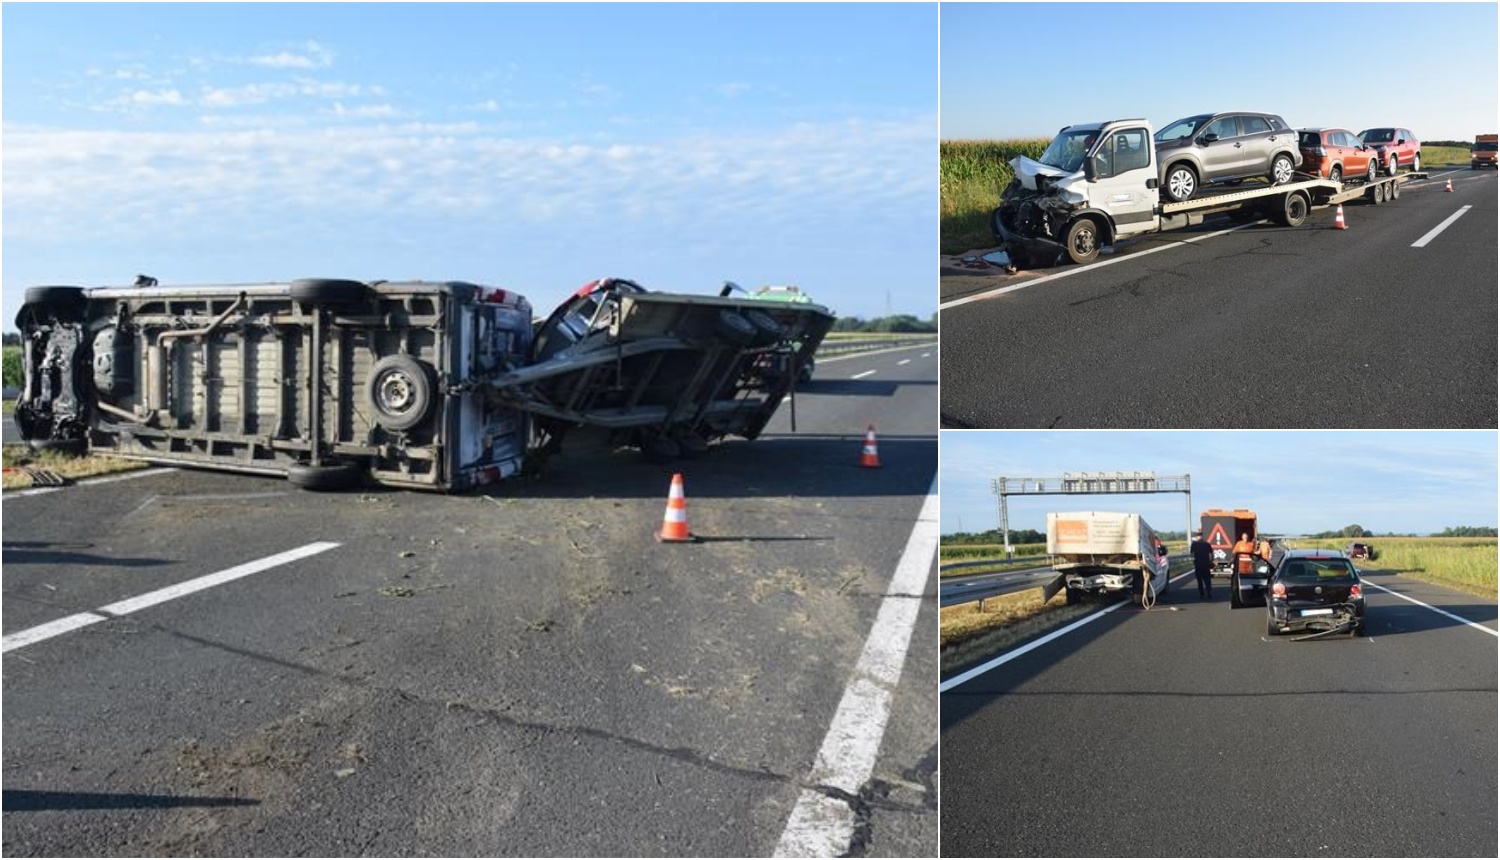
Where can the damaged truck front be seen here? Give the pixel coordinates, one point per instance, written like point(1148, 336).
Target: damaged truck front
point(424, 385)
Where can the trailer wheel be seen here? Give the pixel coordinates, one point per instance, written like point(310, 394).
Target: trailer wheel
point(328, 476)
point(767, 329)
point(1293, 210)
point(735, 328)
point(1083, 241)
point(1394, 191)
point(316, 290)
point(399, 390)
point(1281, 169)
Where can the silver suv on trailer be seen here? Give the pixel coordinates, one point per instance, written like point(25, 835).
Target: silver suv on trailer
point(1223, 147)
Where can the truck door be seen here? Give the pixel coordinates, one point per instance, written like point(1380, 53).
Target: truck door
point(1124, 179)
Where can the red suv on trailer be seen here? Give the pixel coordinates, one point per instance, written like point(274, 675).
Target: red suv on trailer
point(1395, 146)
point(1334, 153)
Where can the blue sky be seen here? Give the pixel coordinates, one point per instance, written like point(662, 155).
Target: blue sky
point(1028, 69)
point(533, 147)
point(1297, 481)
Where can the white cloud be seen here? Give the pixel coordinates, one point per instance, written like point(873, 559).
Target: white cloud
point(731, 90)
point(312, 56)
point(152, 98)
point(364, 111)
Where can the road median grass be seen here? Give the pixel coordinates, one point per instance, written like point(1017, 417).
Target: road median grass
point(16, 459)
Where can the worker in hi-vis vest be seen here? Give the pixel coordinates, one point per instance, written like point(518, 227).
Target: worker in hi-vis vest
point(1244, 550)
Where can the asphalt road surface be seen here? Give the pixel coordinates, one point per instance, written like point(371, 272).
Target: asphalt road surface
point(523, 671)
point(1189, 733)
point(1266, 326)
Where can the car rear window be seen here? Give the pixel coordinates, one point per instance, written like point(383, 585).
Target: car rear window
point(1309, 138)
point(1315, 570)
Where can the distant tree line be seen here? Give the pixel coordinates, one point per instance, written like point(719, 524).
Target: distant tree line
point(1353, 530)
point(899, 324)
point(1469, 531)
point(1357, 531)
point(1461, 144)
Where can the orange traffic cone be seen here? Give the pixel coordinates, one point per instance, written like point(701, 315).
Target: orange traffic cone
point(869, 457)
point(1450, 186)
point(674, 524)
point(1338, 219)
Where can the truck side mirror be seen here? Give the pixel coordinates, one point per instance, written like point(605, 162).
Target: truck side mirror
point(1089, 171)
point(1096, 168)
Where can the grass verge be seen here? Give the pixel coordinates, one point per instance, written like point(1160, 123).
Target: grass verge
point(1469, 565)
point(16, 457)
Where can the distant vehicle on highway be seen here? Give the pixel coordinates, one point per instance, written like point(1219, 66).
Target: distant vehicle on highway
point(1335, 153)
point(1396, 147)
point(1221, 529)
point(1316, 590)
point(1099, 552)
point(418, 384)
point(1361, 550)
point(1482, 153)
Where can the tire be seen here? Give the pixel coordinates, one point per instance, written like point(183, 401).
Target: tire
point(1336, 174)
point(1293, 210)
point(327, 291)
point(1394, 191)
point(1371, 170)
point(400, 392)
point(1281, 169)
point(1020, 259)
point(1083, 241)
point(767, 329)
point(329, 476)
point(735, 328)
point(56, 296)
point(1416, 163)
point(660, 450)
point(1391, 171)
point(63, 447)
point(1271, 628)
point(1377, 194)
point(1071, 596)
point(1181, 182)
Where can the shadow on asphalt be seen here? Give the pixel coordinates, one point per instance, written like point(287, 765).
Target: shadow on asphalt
point(35, 552)
point(860, 387)
point(19, 800)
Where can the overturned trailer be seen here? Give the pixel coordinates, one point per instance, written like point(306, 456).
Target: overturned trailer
point(423, 385)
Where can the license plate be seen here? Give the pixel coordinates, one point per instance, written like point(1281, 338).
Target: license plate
point(1307, 612)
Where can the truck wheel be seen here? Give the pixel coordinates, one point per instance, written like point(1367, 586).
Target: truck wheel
point(399, 391)
point(1394, 191)
point(1181, 182)
point(1379, 193)
point(735, 328)
point(1083, 241)
point(319, 290)
point(1293, 210)
point(329, 476)
point(767, 329)
point(1281, 169)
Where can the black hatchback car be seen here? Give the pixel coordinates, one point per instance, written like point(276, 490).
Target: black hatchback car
point(1315, 590)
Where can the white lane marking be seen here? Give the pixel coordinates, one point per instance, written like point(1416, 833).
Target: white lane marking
point(50, 629)
point(128, 476)
point(904, 361)
point(927, 355)
point(1090, 267)
point(161, 595)
point(1032, 646)
point(1475, 625)
point(823, 826)
point(863, 375)
point(1433, 233)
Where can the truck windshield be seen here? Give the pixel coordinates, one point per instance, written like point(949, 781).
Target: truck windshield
point(1485, 146)
point(1067, 150)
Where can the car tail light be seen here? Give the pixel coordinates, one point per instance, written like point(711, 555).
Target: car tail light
point(1354, 592)
point(1278, 590)
point(1320, 152)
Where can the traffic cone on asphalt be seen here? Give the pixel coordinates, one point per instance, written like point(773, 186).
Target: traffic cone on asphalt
point(870, 457)
point(1338, 219)
point(1450, 186)
point(674, 524)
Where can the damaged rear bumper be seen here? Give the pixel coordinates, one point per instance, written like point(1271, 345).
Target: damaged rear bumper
point(1293, 619)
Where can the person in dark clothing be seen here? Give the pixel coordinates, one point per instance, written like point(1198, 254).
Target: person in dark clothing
point(1203, 560)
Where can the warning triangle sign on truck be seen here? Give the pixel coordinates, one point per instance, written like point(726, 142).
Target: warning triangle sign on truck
point(1217, 537)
